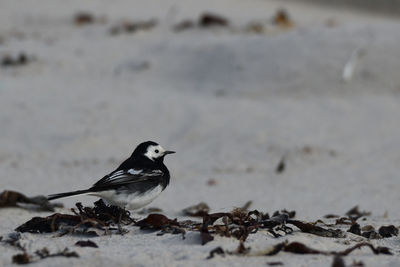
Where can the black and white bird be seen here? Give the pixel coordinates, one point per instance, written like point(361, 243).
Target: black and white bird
point(135, 183)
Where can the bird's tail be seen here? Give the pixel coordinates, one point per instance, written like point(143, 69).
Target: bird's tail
point(67, 194)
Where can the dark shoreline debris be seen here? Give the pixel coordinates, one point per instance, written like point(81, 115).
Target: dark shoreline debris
point(198, 210)
point(25, 258)
point(281, 165)
point(19, 60)
point(100, 217)
point(86, 243)
point(156, 222)
point(300, 248)
point(14, 240)
point(10, 198)
point(208, 19)
point(133, 27)
point(388, 231)
point(317, 230)
point(84, 18)
point(282, 19)
point(205, 20)
point(355, 214)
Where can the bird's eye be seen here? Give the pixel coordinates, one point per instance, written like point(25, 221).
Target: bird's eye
point(156, 151)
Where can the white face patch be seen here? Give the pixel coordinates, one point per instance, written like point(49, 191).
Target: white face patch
point(155, 152)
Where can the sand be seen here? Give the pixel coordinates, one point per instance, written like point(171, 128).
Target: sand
point(231, 104)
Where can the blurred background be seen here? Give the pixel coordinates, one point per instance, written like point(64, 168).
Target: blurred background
point(289, 104)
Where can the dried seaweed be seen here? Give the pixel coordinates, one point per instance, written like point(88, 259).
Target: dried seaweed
point(19, 60)
point(83, 18)
point(282, 19)
point(355, 214)
point(355, 229)
point(133, 27)
point(388, 231)
point(15, 199)
point(217, 250)
point(275, 263)
point(209, 20)
point(338, 262)
point(368, 231)
point(281, 165)
point(157, 222)
point(317, 230)
point(101, 216)
point(25, 258)
point(86, 243)
point(198, 210)
point(300, 248)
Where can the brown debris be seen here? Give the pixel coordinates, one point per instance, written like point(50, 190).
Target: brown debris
point(206, 20)
point(156, 221)
point(133, 27)
point(83, 18)
point(100, 216)
point(338, 262)
point(210, 20)
point(355, 214)
point(198, 210)
point(25, 257)
point(22, 258)
point(86, 243)
point(331, 216)
point(15, 199)
point(275, 263)
point(345, 220)
point(282, 19)
point(20, 60)
point(355, 229)
point(217, 250)
point(300, 248)
point(388, 231)
point(317, 230)
point(281, 166)
point(212, 182)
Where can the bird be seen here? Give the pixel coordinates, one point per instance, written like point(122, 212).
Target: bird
point(135, 183)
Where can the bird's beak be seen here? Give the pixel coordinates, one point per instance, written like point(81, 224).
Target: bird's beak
point(169, 152)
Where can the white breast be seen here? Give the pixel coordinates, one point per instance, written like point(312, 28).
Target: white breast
point(129, 201)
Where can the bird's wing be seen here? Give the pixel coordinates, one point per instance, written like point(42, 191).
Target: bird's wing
point(128, 176)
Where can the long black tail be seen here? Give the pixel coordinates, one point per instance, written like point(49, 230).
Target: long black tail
point(67, 194)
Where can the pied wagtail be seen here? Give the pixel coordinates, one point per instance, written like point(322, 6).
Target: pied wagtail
point(135, 183)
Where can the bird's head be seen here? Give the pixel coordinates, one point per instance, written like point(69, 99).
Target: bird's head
point(152, 151)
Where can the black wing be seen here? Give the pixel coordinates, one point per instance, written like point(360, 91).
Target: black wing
point(125, 177)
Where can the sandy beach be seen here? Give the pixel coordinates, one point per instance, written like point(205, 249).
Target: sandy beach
point(232, 100)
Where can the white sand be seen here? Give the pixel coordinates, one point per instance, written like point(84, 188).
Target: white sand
point(230, 103)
